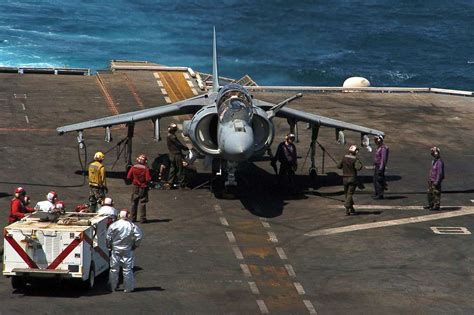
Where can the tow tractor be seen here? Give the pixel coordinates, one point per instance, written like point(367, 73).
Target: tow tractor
point(61, 246)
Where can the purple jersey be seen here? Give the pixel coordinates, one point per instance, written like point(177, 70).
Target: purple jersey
point(381, 157)
point(437, 171)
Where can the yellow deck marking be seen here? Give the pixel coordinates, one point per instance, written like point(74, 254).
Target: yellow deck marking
point(260, 252)
point(176, 86)
point(278, 272)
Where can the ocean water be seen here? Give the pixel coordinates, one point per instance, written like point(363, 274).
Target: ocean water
point(391, 43)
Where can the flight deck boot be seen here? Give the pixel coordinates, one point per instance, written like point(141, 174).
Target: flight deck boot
point(348, 210)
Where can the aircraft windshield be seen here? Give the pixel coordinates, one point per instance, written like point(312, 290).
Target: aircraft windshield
point(235, 105)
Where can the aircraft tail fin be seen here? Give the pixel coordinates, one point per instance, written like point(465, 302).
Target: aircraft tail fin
point(215, 75)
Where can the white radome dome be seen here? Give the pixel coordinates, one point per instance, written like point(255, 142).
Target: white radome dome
point(356, 82)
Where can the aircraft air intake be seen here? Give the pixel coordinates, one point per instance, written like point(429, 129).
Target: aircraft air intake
point(202, 130)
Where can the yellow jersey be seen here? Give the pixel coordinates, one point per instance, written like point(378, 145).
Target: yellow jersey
point(97, 174)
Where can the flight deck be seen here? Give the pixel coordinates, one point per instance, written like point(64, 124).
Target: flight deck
point(267, 249)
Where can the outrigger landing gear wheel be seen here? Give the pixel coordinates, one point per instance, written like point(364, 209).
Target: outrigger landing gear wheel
point(313, 173)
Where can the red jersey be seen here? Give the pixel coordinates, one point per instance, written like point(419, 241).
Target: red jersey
point(139, 174)
point(18, 210)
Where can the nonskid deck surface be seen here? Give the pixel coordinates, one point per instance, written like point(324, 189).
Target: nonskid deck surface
point(267, 250)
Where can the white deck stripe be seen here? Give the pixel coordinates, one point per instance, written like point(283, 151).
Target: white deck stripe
point(246, 270)
point(290, 270)
point(281, 253)
point(237, 252)
point(263, 308)
point(160, 84)
point(191, 85)
point(168, 100)
point(253, 288)
point(310, 307)
point(366, 226)
point(27, 120)
point(224, 221)
point(218, 211)
point(186, 76)
point(299, 288)
point(273, 237)
point(194, 91)
point(164, 92)
point(266, 224)
point(230, 236)
point(380, 207)
point(450, 230)
point(156, 75)
point(23, 106)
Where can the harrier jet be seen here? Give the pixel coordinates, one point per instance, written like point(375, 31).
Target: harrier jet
point(228, 124)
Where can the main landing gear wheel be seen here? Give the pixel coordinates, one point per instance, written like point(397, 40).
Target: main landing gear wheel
point(18, 283)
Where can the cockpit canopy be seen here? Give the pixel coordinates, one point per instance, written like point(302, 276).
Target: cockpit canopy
point(234, 102)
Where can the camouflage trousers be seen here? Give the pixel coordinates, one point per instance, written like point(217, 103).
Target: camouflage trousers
point(434, 195)
point(96, 196)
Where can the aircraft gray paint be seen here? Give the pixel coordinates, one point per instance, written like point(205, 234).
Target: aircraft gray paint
point(227, 123)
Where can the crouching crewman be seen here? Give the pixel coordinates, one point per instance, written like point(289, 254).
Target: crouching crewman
point(122, 238)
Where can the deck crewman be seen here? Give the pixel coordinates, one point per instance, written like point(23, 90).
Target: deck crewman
point(97, 181)
point(139, 175)
point(350, 164)
point(435, 179)
point(19, 206)
point(108, 209)
point(175, 147)
point(123, 237)
point(48, 205)
point(286, 155)
point(380, 163)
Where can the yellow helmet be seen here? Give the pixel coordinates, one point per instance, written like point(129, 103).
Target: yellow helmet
point(99, 156)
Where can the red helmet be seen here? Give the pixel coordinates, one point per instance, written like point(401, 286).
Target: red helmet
point(142, 159)
point(19, 190)
point(51, 196)
point(60, 205)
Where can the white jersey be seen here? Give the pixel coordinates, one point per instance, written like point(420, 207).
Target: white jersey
point(108, 210)
point(123, 236)
point(45, 206)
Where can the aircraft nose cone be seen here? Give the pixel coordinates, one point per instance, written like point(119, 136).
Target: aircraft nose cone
point(238, 146)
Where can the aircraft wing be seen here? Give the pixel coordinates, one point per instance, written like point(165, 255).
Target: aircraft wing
point(299, 115)
point(189, 106)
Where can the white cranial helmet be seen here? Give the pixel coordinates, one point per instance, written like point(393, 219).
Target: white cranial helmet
point(51, 196)
point(108, 201)
point(353, 148)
